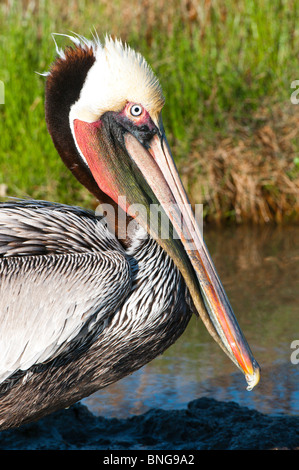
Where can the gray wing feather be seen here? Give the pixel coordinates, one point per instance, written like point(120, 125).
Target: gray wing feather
point(38, 227)
point(46, 300)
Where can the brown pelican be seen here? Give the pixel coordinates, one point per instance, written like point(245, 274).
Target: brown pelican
point(82, 306)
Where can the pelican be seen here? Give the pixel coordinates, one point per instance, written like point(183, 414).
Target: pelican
point(82, 305)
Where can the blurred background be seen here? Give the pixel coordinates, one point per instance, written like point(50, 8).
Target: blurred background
point(226, 68)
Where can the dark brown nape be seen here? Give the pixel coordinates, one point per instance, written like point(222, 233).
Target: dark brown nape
point(64, 84)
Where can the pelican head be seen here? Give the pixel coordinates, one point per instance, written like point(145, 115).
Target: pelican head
point(103, 111)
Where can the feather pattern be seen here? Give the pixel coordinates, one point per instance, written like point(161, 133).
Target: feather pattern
point(73, 300)
point(40, 227)
point(47, 250)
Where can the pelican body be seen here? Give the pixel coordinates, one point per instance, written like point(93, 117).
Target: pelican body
point(82, 305)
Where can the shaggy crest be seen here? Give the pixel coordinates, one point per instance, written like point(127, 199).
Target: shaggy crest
point(118, 75)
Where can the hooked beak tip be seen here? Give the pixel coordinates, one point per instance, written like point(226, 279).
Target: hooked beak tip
point(254, 378)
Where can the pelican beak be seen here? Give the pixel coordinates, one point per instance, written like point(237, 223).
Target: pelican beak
point(148, 175)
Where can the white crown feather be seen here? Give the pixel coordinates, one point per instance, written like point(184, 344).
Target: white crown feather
point(118, 75)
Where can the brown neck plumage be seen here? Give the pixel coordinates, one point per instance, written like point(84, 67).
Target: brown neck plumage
point(64, 84)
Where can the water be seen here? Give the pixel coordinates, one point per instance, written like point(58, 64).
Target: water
point(259, 269)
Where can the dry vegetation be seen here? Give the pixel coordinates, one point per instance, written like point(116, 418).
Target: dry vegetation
point(250, 175)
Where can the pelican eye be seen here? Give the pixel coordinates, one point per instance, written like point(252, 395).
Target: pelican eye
point(136, 110)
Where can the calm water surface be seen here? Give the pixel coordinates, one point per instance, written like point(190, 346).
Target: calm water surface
point(259, 269)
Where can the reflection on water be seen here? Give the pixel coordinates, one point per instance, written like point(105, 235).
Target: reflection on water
point(259, 269)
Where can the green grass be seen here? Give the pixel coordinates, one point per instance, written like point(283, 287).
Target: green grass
point(213, 62)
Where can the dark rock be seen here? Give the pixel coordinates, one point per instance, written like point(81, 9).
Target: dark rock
point(205, 424)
